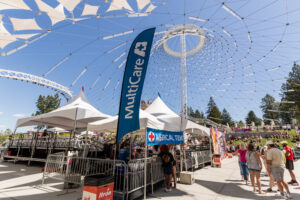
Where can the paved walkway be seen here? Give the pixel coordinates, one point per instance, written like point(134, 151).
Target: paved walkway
point(19, 182)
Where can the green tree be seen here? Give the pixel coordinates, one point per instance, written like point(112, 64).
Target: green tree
point(290, 92)
point(191, 112)
point(268, 106)
point(47, 104)
point(240, 123)
point(285, 113)
point(251, 117)
point(199, 115)
point(226, 118)
point(210, 105)
point(213, 112)
point(4, 135)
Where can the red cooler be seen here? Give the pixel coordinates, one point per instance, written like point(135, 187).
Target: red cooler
point(98, 187)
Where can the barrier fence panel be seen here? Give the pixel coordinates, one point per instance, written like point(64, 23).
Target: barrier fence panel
point(127, 177)
point(54, 167)
point(72, 169)
point(157, 171)
point(136, 174)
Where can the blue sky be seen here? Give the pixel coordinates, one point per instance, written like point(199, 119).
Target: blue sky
point(237, 68)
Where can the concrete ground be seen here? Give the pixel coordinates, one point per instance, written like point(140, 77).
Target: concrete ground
point(19, 182)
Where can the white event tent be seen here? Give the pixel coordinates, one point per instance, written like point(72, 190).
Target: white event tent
point(75, 114)
point(111, 123)
point(172, 121)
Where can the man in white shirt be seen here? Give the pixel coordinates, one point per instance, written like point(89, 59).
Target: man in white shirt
point(275, 164)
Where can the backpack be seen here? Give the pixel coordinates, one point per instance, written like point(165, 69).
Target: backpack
point(283, 154)
point(294, 154)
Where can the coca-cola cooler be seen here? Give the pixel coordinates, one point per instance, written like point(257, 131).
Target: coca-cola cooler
point(98, 187)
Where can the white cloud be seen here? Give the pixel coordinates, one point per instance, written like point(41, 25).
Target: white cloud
point(1, 113)
point(2, 126)
point(18, 115)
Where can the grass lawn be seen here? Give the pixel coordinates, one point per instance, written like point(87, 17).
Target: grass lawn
point(264, 140)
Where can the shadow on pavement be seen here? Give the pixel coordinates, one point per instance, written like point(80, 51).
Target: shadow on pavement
point(231, 190)
point(161, 194)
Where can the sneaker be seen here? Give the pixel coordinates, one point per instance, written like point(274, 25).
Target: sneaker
point(282, 195)
point(295, 184)
point(168, 190)
point(288, 196)
point(291, 182)
point(269, 190)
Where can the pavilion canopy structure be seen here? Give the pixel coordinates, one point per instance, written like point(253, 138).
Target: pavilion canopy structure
point(172, 121)
point(111, 123)
point(75, 114)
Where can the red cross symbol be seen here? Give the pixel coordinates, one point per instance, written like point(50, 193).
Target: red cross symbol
point(151, 136)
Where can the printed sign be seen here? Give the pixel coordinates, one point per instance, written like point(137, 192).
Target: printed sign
point(219, 142)
point(98, 193)
point(160, 137)
point(133, 81)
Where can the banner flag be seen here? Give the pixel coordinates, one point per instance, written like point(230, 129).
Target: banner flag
point(219, 142)
point(133, 81)
point(160, 137)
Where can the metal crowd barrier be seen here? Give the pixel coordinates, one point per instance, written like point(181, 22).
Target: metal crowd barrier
point(46, 142)
point(193, 160)
point(128, 178)
point(71, 169)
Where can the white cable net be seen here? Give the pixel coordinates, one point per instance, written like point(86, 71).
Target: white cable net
point(249, 48)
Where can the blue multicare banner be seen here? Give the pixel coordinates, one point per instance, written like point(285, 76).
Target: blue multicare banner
point(160, 137)
point(133, 81)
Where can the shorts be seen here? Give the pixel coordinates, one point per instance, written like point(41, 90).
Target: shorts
point(277, 173)
point(289, 164)
point(255, 170)
point(168, 171)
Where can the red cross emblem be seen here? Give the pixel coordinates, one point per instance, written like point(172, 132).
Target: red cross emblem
point(151, 136)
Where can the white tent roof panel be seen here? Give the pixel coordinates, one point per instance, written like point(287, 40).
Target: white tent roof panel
point(110, 124)
point(173, 121)
point(119, 5)
point(64, 117)
point(55, 14)
point(13, 4)
point(69, 4)
point(89, 10)
point(24, 24)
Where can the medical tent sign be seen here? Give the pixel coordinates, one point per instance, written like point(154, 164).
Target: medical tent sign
point(160, 137)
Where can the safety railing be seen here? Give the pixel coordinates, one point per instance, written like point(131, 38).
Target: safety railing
point(128, 178)
point(72, 169)
point(46, 142)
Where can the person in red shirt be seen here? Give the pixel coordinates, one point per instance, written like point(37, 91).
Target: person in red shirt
point(289, 162)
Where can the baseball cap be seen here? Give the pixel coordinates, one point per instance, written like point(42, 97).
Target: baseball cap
point(269, 142)
point(284, 142)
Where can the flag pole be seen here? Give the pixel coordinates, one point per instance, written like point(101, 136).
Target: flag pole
point(145, 167)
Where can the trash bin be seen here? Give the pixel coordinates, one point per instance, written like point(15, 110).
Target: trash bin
point(216, 160)
point(98, 187)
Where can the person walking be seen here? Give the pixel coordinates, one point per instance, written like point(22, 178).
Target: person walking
point(254, 165)
point(242, 156)
point(289, 155)
point(167, 164)
point(263, 154)
point(173, 152)
point(239, 162)
point(275, 164)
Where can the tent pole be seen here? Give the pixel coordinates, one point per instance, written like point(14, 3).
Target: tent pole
point(145, 167)
point(130, 146)
point(115, 154)
point(75, 124)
